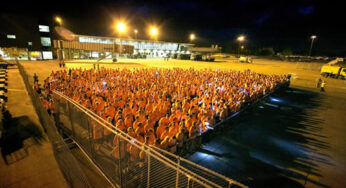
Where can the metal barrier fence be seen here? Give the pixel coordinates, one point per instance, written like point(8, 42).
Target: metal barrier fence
point(125, 161)
point(67, 163)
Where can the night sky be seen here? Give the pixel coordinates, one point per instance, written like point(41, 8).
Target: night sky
point(279, 24)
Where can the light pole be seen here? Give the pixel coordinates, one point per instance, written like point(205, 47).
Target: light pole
point(313, 37)
point(153, 32)
point(240, 39)
point(120, 29)
point(136, 32)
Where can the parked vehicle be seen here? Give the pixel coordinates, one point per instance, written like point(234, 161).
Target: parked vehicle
point(196, 57)
point(184, 56)
point(244, 59)
point(333, 71)
point(208, 58)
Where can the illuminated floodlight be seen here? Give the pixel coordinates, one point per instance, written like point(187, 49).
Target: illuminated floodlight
point(313, 36)
point(154, 32)
point(121, 27)
point(136, 32)
point(192, 37)
point(58, 20)
point(241, 38)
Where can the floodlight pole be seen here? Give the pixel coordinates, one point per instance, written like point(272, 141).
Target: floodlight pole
point(312, 43)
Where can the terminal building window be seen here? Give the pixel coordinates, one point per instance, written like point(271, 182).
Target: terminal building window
point(47, 55)
point(11, 36)
point(45, 41)
point(43, 28)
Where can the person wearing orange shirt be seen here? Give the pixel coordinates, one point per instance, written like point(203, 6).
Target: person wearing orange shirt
point(134, 152)
point(141, 116)
point(164, 143)
point(148, 107)
point(140, 137)
point(180, 137)
point(120, 125)
point(188, 122)
point(128, 121)
point(151, 135)
point(192, 131)
point(148, 126)
point(173, 129)
point(140, 129)
point(164, 120)
point(159, 130)
point(131, 132)
point(136, 122)
point(165, 132)
point(106, 131)
point(172, 144)
point(126, 110)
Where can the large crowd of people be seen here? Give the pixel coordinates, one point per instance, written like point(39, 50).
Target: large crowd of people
point(161, 107)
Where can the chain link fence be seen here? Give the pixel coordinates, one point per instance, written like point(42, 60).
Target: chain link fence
point(67, 163)
point(125, 161)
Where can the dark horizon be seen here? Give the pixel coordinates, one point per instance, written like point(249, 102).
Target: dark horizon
point(279, 24)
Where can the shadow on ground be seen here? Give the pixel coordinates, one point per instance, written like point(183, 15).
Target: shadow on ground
point(272, 144)
point(15, 134)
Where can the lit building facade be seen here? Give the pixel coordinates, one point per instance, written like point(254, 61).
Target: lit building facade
point(148, 48)
point(27, 35)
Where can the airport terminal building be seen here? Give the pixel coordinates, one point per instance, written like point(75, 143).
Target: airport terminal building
point(91, 47)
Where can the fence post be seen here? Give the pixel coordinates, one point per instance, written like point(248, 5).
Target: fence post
point(148, 181)
point(188, 182)
point(70, 116)
point(119, 154)
point(177, 178)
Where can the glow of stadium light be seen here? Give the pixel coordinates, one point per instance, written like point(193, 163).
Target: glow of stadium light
point(313, 36)
point(241, 38)
point(192, 37)
point(121, 27)
point(154, 32)
point(58, 19)
point(136, 31)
